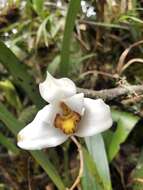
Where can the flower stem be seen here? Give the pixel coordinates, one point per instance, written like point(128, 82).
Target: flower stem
point(77, 180)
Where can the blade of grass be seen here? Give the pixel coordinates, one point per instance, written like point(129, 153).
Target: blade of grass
point(14, 126)
point(103, 24)
point(73, 9)
point(19, 72)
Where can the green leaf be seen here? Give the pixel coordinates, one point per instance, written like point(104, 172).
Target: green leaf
point(38, 6)
point(14, 126)
point(137, 174)
point(3, 186)
point(87, 180)
point(19, 72)
point(108, 25)
point(11, 94)
point(85, 57)
point(73, 9)
point(91, 178)
point(96, 148)
point(44, 162)
point(132, 18)
point(27, 114)
point(125, 124)
point(6, 142)
point(19, 52)
point(42, 32)
point(53, 67)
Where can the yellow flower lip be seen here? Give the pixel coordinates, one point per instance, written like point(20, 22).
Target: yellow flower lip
point(68, 121)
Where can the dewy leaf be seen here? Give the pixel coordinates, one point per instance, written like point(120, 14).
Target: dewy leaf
point(20, 74)
point(96, 148)
point(14, 126)
point(73, 9)
point(125, 124)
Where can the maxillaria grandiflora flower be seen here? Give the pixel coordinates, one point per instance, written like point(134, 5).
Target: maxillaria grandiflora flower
point(67, 114)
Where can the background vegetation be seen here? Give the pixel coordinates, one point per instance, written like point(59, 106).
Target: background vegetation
point(98, 44)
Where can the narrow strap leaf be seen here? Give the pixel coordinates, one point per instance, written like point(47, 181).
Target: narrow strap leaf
point(73, 9)
point(8, 144)
point(19, 72)
point(125, 124)
point(95, 145)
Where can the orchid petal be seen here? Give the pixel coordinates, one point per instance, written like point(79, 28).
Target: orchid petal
point(96, 119)
point(76, 103)
point(53, 89)
point(41, 133)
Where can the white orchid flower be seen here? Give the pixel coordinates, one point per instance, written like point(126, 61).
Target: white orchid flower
point(66, 114)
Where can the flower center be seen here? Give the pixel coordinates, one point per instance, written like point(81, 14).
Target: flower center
point(68, 120)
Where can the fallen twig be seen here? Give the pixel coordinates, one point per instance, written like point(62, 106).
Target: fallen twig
point(110, 94)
